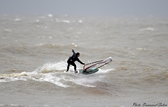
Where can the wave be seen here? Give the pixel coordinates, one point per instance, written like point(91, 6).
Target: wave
point(54, 73)
point(52, 67)
point(147, 29)
point(56, 45)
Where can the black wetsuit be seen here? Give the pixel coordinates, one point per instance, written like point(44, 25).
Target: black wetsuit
point(72, 59)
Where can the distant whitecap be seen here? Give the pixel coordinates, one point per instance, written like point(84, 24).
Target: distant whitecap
point(50, 15)
point(75, 45)
point(17, 19)
point(7, 30)
point(147, 29)
point(37, 20)
point(66, 21)
point(80, 21)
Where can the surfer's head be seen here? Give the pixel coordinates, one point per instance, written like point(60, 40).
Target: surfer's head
point(77, 54)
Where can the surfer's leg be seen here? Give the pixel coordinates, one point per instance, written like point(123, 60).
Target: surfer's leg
point(68, 67)
point(73, 64)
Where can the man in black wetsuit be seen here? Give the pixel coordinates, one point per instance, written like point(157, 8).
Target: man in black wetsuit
point(72, 59)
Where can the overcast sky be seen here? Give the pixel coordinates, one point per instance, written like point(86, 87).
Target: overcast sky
point(86, 7)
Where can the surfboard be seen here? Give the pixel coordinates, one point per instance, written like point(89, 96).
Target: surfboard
point(93, 67)
point(88, 71)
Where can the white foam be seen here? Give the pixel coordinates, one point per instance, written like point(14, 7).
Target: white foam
point(56, 78)
point(7, 30)
point(41, 77)
point(17, 19)
point(103, 71)
point(52, 79)
point(83, 81)
point(147, 29)
point(50, 15)
point(53, 73)
point(51, 67)
point(13, 77)
point(66, 21)
point(80, 21)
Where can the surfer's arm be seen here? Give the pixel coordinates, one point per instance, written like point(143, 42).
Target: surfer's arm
point(73, 51)
point(80, 61)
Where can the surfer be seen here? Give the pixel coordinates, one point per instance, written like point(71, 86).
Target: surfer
point(72, 59)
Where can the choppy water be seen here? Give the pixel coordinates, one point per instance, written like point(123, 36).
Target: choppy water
point(34, 50)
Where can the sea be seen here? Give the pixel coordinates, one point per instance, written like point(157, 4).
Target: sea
point(33, 59)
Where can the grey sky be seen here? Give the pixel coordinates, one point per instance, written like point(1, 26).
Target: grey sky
point(86, 7)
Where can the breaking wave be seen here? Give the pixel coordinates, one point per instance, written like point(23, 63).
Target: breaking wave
point(54, 73)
